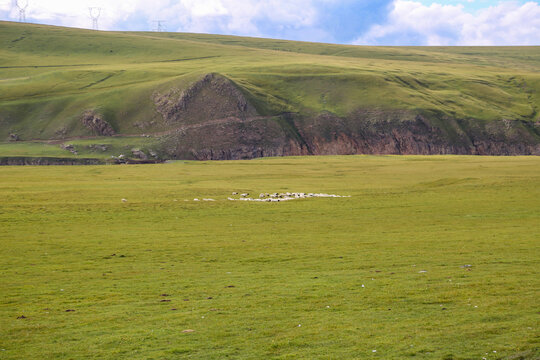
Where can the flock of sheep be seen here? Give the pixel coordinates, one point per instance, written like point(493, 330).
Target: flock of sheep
point(277, 197)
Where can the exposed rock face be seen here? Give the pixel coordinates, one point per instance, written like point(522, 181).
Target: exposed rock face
point(70, 148)
point(213, 120)
point(418, 136)
point(364, 132)
point(97, 124)
point(139, 154)
point(212, 97)
point(232, 138)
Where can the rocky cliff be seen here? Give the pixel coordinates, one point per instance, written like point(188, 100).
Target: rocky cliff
point(214, 121)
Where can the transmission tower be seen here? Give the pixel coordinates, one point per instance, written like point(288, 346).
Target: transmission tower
point(94, 14)
point(22, 5)
point(159, 25)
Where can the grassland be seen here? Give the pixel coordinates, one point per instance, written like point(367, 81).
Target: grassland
point(49, 76)
point(338, 278)
point(83, 147)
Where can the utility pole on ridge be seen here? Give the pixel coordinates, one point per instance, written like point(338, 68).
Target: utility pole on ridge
point(22, 5)
point(95, 12)
point(159, 25)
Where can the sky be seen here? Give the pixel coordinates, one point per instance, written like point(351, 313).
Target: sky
point(359, 22)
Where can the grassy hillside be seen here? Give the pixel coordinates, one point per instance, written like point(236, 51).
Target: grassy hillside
point(430, 258)
point(49, 76)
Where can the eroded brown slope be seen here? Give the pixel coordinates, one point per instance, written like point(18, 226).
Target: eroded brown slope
point(213, 120)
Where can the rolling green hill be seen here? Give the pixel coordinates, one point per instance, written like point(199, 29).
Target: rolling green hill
point(218, 97)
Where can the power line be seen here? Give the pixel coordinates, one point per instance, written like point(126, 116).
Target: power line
point(159, 25)
point(95, 12)
point(22, 5)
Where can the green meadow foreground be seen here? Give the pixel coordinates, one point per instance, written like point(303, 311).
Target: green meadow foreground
point(430, 258)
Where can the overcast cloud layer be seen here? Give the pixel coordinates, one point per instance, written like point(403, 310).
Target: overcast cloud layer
point(362, 22)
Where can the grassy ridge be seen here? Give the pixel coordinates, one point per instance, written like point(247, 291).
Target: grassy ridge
point(50, 75)
point(382, 270)
point(484, 55)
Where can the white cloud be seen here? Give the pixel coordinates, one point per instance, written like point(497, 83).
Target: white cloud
point(205, 7)
point(243, 17)
point(410, 22)
point(226, 16)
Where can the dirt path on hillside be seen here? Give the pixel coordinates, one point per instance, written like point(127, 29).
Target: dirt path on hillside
point(222, 121)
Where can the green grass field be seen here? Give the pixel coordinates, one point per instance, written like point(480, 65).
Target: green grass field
point(378, 275)
point(112, 146)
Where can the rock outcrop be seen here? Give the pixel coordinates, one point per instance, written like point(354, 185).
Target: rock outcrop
point(95, 122)
point(139, 154)
point(70, 148)
point(404, 133)
point(363, 132)
point(212, 97)
point(213, 120)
